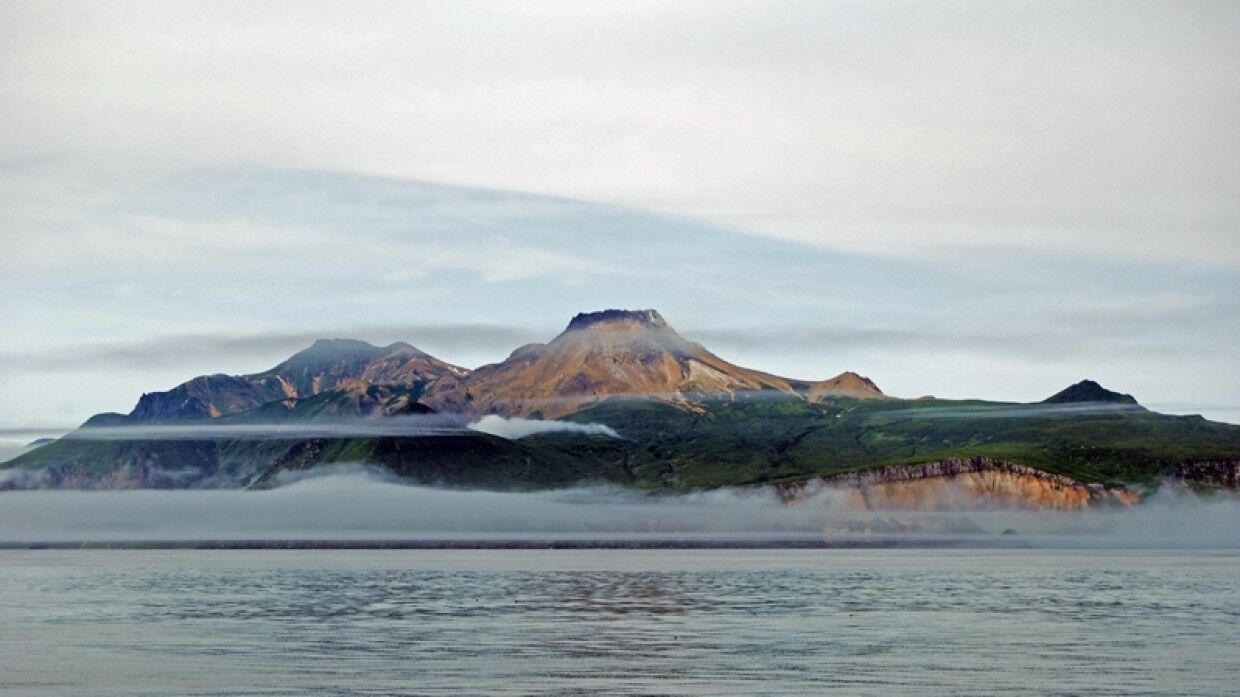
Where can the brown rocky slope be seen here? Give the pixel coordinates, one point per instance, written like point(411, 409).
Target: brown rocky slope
point(619, 353)
point(612, 353)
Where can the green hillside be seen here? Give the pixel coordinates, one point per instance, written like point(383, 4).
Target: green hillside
point(759, 439)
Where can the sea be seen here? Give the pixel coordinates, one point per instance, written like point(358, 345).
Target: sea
point(884, 621)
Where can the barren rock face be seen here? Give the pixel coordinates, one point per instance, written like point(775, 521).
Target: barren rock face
point(617, 353)
point(968, 485)
point(973, 491)
point(612, 353)
point(327, 365)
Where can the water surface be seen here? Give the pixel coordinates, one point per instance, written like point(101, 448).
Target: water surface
point(378, 622)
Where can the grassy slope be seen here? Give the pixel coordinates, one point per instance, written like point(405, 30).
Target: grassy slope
point(786, 440)
point(747, 442)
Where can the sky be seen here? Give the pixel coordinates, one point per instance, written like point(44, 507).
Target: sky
point(964, 199)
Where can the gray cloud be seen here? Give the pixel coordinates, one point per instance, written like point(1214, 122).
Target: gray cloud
point(1053, 345)
point(179, 350)
point(412, 426)
point(12, 447)
point(851, 124)
point(1061, 343)
point(404, 426)
point(353, 502)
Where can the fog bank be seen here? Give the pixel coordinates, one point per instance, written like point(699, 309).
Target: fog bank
point(357, 503)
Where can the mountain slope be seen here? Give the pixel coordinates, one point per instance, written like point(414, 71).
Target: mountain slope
point(618, 353)
point(846, 384)
point(323, 366)
point(1088, 391)
point(600, 355)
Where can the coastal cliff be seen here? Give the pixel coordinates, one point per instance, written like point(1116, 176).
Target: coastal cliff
point(962, 484)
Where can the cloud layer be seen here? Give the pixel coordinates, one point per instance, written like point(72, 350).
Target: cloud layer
point(354, 503)
point(1101, 129)
point(407, 426)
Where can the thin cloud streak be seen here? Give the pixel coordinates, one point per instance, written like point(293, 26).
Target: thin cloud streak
point(181, 349)
point(417, 426)
point(402, 426)
point(1040, 346)
point(494, 339)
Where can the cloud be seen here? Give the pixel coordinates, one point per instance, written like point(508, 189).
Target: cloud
point(1084, 328)
point(12, 447)
point(845, 125)
point(514, 428)
point(410, 426)
point(179, 350)
point(353, 503)
point(401, 426)
point(1058, 344)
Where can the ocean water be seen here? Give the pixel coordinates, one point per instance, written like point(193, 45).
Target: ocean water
point(573, 622)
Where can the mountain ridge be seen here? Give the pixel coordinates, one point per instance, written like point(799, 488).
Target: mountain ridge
point(687, 419)
point(1087, 391)
point(619, 354)
point(324, 365)
point(606, 354)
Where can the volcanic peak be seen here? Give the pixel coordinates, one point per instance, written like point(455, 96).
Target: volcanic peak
point(1088, 391)
point(649, 318)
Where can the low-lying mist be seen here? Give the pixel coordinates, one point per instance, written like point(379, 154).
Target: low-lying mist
point(403, 426)
point(354, 502)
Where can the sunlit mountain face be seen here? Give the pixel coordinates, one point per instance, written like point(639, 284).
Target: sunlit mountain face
point(619, 397)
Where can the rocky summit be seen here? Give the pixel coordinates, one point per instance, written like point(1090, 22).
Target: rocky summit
point(619, 354)
point(326, 365)
point(600, 355)
point(1089, 391)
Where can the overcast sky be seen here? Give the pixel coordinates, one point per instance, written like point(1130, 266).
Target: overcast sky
point(987, 199)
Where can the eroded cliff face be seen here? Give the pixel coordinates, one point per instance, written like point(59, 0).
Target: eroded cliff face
point(966, 484)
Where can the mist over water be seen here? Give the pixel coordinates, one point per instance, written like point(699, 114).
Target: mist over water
point(357, 503)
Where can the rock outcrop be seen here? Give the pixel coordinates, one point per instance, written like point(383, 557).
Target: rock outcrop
point(1088, 391)
point(612, 353)
point(615, 354)
point(326, 365)
point(963, 484)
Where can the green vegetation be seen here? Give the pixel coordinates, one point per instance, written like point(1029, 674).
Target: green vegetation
point(760, 441)
point(767, 439)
